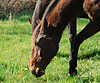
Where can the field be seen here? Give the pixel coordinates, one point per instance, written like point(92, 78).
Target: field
point(15, 53)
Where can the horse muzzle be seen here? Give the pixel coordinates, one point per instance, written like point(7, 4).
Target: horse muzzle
point(37, 72)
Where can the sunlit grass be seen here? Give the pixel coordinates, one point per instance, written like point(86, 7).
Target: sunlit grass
point(15, 53)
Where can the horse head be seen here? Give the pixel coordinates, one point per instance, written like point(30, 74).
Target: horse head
point(44, 47)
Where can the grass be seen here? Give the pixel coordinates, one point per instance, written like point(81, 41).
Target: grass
point(15, 53)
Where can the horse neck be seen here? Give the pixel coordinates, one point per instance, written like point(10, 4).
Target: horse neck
point(63, 13)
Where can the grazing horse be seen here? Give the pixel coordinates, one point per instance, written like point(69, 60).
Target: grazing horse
point(46, 36)
point(39, 11)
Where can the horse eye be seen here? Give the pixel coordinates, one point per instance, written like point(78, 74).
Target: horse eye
point(36, 43)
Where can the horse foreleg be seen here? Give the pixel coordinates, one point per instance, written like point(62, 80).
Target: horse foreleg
point(72, 32)
point(87, 32)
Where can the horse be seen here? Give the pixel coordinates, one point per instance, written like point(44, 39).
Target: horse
point(39, 11)
point(46, 36)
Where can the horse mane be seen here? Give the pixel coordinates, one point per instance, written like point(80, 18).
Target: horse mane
point(49, 8)
point(55, 12)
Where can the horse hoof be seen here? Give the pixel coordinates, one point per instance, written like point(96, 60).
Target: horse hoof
point(72, 73)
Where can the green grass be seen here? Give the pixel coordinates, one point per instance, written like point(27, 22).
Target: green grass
point(15, 53)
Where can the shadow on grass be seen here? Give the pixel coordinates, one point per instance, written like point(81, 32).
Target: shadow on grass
point(2, 79)
point(59, 54)
point(94, 54)
point(82, 56)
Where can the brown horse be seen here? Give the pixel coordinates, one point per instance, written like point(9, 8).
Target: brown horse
point(47, 34)
point(40, 9)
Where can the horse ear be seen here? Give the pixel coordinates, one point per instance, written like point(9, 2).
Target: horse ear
point(45, 23)
point(38, 21)
point(30, 20)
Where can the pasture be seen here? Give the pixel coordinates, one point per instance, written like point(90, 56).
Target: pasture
point(15, 53)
